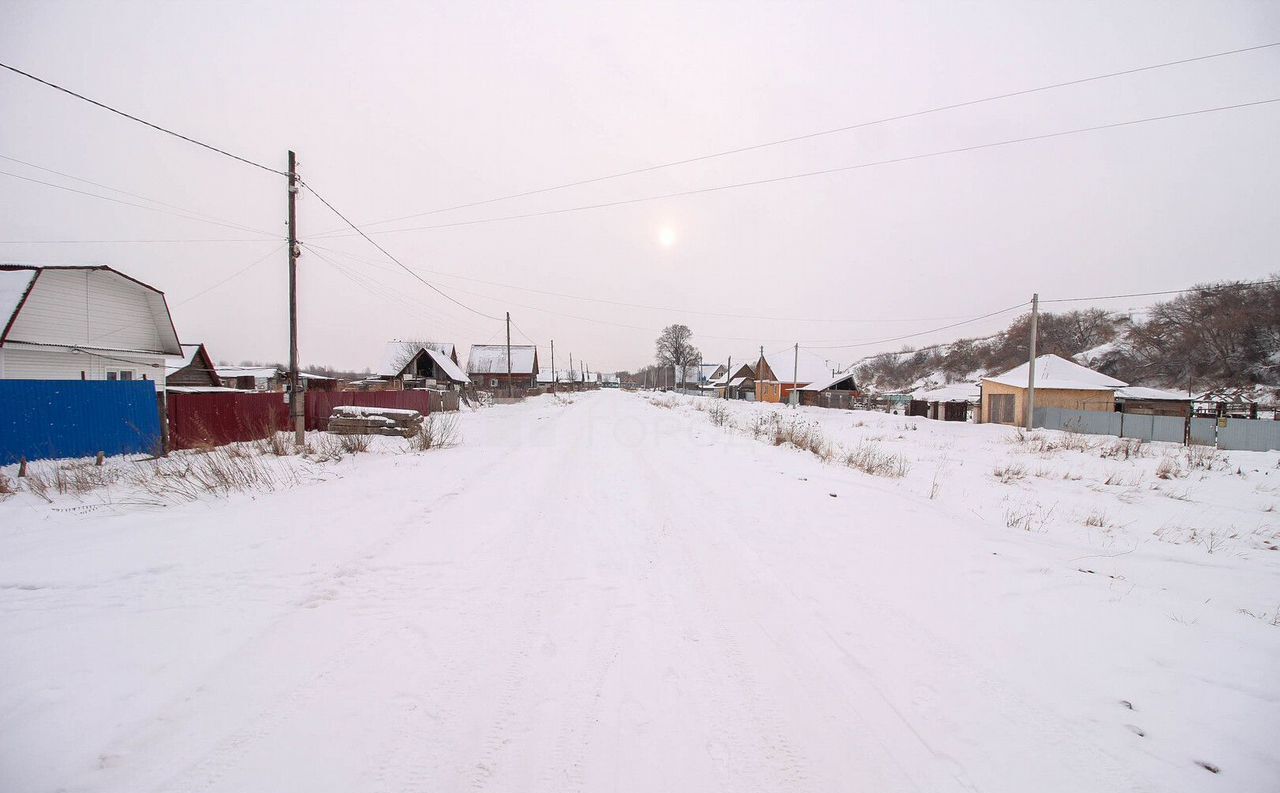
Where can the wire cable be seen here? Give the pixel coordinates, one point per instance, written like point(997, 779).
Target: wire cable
point(1217, 288)
point(923, 332)
point(668, 309)
point(144, 122)
point(833, 131)
point(821, 172)
point(387, 253)
point(136, 195)
point(128, 203)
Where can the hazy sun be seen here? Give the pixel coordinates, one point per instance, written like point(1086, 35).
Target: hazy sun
point(666, 236)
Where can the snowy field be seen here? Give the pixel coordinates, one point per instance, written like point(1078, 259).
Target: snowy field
point(648, 593)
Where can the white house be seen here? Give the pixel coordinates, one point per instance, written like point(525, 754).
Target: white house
point(82, 323)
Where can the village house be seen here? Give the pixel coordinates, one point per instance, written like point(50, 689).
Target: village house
point(194, 369)
point(1141, 400)
point(82, 323)
point(487, 366)
point(777, 374)
point(1059, 383)
point(424, 364)
point(740, 382)
point(836, 391)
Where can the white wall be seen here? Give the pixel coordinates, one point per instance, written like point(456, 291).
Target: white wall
point(94, 308)
point(24, 362)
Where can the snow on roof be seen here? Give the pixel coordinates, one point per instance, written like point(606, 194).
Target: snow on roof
point(397, 352)
point(952, 392)
point(174, 364)
point(247, 371)
point(1152, 394)
point(736, 382)
point(1053, 371)
point(13, 285)
point(826, 382)
point(810, 369)
point(492, 359)
point(445, 364)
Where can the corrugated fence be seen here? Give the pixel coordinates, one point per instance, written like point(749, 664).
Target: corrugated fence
point(77, 418)
point(320, 404)
point(219, 418)
point(1228, 434)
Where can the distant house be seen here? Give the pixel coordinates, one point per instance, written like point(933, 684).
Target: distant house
point(250, 378)
point(835, 391)
point(1141, 400)
point(487, 366)
point(1059, 383)
point(194, 369)
point(82, 323)
point(741, 382)
point(778, 374)
point(423, 364)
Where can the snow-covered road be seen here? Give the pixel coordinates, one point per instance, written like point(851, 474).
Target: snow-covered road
point(603, 596)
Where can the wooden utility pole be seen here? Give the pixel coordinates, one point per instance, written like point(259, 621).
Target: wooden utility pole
point(295, 394)
point(510, 389)
point(795, 374)
point(553, 366)
point(728, 372)
point(1031, 363)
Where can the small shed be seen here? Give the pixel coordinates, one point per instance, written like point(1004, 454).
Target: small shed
point(1141, 400)
point(423, 364)
point(1059, 383)
point(194, 369)
point(487, 366)
point(837, 391)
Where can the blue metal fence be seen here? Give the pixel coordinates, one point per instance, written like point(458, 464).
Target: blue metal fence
point(76, 418)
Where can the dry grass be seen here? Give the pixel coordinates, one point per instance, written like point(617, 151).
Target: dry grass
point(6, 486)
point(1124, 449)
point(1009, 472)
point(1169, 468)
point(868, 458)
point(439, 431)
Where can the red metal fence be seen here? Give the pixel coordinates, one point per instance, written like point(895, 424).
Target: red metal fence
point(320, 404)
point(220, 418)
point(215, 419)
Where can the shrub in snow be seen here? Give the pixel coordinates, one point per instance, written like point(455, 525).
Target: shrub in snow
point(869, 459)
point(439, 431)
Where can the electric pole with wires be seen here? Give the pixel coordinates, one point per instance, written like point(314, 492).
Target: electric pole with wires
point(296, 408)
point(511, 393)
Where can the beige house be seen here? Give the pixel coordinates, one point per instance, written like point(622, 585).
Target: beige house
point(1059, 384)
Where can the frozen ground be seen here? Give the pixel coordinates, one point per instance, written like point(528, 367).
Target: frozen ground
point(621, 595)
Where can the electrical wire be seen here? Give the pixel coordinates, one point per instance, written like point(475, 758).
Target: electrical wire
point(388, 254)
point(1167, 292)
point(121, 242)
point(821, 172)
point(130, 203)
point(136, 195)
point(231, 277)
point(156, 127)
point(923, 332)
point(810, 135)
point(668, 309)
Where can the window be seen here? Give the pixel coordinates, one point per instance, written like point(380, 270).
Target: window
point(119, 374)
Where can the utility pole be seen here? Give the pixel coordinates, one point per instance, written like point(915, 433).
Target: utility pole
point(728, 372)
point(1031, 364)
point(510, 390)
point(795, 374)
point(295, 394)
point(553, 366)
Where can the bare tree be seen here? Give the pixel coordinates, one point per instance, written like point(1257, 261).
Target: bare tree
point(675, 348)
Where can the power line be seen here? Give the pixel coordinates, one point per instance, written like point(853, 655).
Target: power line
point(923, 332)
point(120, 242)
point(127, 203)
point(387, 253)
point(810, 135)
point(668, 309)
point(824, 171)
point(231, 277)
point(156, 127)
point(1166, 292)
point(134, 195)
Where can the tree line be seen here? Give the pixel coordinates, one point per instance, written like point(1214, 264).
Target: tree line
point(1219, 335)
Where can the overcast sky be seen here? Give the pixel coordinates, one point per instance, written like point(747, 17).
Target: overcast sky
point(396, 109)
